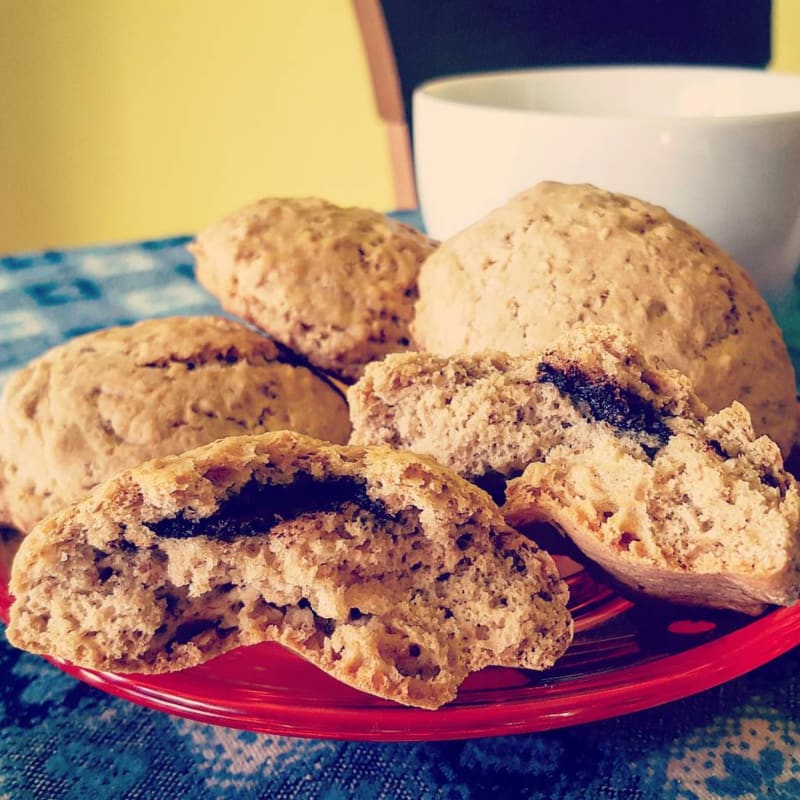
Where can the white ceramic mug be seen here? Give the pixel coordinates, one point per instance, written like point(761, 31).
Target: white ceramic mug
point(718, 147)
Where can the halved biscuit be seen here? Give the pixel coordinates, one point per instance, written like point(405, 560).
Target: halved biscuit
point(386, 570)
point(620, 454)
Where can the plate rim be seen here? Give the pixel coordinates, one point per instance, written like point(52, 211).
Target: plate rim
point(591, 697)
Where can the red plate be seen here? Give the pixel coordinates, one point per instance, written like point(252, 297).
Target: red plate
point(625, 657)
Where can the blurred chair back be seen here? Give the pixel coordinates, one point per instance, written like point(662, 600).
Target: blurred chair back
point(411, 41)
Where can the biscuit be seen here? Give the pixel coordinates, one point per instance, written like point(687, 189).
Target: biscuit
point(557, 256)
point(116, 397)
point(335, 284)
point(384, 569)
point(621, 455)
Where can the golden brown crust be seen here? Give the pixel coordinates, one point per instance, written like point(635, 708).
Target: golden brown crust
point(401, 587)
point(114, 398)
point(335, 284)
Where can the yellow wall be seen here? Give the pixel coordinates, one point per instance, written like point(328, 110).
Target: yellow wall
point(122, 119)
point(786, 35)
point(130, 118)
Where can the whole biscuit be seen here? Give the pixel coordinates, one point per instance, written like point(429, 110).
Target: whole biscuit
point(335, 284)
point(113, 398)
point(557, 255)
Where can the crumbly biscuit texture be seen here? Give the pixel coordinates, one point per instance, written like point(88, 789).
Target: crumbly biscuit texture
point(481, 413)
point(383, 568)
point(111, 399)
point(557, 256)
point(335, 284)
point(620, 454)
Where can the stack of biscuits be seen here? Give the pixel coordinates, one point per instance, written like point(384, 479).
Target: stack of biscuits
point(352, 462)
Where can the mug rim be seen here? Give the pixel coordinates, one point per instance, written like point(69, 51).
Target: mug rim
point(434, 91)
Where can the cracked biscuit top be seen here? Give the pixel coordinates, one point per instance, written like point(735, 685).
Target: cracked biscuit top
point(335, 284)
point(557, 256)
point(114, 398)
point(383, 568)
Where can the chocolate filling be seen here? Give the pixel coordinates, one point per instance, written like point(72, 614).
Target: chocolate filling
point(606, 401)
point(258, 507)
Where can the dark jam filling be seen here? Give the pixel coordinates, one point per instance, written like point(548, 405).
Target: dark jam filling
point(606, 401)
point(258, 507)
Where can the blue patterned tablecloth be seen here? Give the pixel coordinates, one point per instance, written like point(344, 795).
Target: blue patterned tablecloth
point(62, 739)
